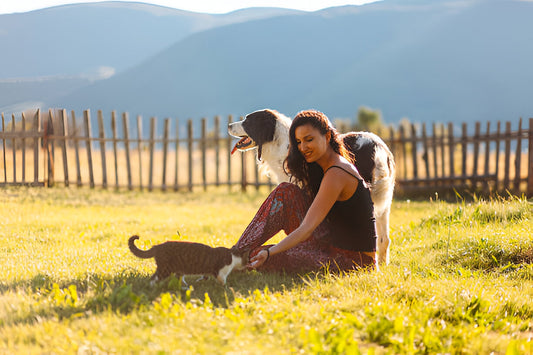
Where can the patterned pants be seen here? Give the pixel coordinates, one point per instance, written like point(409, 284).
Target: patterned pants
point(285, 209)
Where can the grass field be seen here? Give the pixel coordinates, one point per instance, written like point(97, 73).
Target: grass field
point(460, 281)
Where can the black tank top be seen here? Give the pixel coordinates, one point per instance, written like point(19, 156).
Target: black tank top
point(352, 222)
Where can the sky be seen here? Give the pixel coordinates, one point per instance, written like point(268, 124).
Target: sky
point(208, 6)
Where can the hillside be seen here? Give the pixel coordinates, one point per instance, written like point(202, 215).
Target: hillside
point(449, 61)
point(432, 61)
point(77, 39)
point(56, 50)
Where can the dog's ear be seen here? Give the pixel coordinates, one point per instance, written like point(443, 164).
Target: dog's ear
point(260, 126)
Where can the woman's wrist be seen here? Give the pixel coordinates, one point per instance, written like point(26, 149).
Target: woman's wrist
point(268, 250)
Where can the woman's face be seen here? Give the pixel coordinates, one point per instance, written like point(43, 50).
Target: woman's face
point(311, 143)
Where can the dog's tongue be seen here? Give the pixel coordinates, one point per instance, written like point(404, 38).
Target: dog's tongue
point(245, 141)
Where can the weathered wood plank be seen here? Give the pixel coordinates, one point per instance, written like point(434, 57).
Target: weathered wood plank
point(101, 136)
point(115, 148)
point(518, 159)
point(176, 157)
point(204, 155)
point(451, 149)
point(36, 145)
point(507, 159)
point(165, 153)
point(190, 147)
point(217, 150)
point(126, 134)
point(64, 132)
point(76, 150)
point(230, 119)
point(14, 147)
point(88, 143)
point(151, 144)
point(139, 150)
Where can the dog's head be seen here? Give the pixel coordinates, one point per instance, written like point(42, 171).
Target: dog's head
point(256, 129)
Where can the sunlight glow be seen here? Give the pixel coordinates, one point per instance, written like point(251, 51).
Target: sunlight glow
point(207, 6)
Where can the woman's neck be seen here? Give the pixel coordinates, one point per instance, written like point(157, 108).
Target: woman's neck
point(328, 159)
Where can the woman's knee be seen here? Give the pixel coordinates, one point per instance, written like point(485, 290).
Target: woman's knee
point(288, 188)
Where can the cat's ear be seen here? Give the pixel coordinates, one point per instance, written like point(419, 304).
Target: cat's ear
point(244, 253)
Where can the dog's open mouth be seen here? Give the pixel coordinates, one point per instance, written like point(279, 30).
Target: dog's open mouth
point(244, 143)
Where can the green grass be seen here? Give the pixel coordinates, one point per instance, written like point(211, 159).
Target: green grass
point(460, 280)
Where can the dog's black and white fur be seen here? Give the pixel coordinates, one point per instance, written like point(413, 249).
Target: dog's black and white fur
point(268, 132)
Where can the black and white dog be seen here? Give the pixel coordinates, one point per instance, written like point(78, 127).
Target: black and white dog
point(268, 132)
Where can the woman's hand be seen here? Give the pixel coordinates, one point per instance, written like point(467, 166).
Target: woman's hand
point(259, 259)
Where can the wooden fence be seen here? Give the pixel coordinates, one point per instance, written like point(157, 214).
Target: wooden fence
point(449, 159)
point(54, 148)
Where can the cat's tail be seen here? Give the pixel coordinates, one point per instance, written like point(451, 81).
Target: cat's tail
point(145, 254)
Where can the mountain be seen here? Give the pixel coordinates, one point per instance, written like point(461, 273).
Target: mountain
point(81, 38)
point(430, 61)
point(56, 50)
point(426, 60)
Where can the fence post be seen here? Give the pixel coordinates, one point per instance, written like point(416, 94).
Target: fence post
point(518, 159)
point(230, 119)
point(23, 118)
point(126, 133)
point(166, 127)
point(14, 149)
point(463, 151)
point(425, 154)
point(101, 134)
point(115, 152)
point(64, 131)
point(435, 158)
point(139, 150)
point(151, 144)
point(497, 159)
point(50, 148)
point(530, 160)
point(203, 147)
point(451, 147)
point(37, 126)
point(87, 117)
point(189, 147)
point(76, 149)
point(487, 160)
point(176, 161)
point(217, 150)
point(414, 151)
point(507, 155)
point(403, 151)
point(477, 132)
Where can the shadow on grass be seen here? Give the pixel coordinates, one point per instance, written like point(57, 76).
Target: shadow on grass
point(129, 291)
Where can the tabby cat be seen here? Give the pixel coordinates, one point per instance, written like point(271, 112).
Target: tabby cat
point(188, 258)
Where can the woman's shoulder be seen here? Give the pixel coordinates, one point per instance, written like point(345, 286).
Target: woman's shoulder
point(340, 166)
point(343, 168)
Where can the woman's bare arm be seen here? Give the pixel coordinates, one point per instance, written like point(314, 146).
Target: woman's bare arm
point(329, 191)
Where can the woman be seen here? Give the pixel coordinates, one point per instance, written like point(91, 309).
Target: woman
point(327, 213)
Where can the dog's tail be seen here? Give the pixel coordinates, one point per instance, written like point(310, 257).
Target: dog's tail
point(145, 254)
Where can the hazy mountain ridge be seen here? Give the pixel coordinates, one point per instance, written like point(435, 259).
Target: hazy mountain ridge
point(86, 42)
point(426, 60)
point(74, 39)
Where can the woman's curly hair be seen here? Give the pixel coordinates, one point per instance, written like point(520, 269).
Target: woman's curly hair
point(309, 175)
